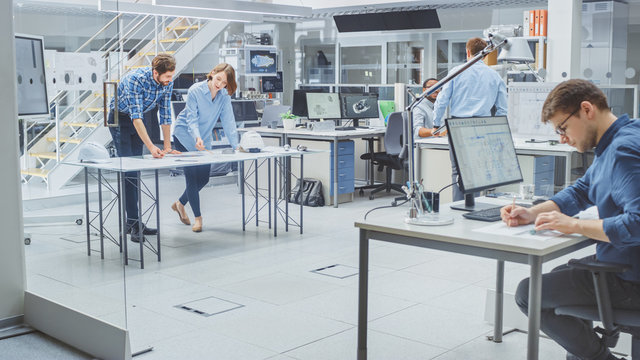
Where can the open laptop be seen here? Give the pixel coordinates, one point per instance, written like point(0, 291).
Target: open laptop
point(273, 114)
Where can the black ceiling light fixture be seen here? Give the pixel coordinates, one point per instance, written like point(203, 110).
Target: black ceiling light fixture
point(389, 20)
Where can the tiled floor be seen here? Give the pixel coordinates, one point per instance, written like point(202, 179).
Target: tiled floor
point(424, 304)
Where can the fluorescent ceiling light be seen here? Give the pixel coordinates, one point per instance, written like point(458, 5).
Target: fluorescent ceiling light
point(147, 9)
point(238, 6)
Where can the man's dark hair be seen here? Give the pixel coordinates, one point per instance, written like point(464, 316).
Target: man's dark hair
point(568, 95)
point(163, 63)
point(424, 84)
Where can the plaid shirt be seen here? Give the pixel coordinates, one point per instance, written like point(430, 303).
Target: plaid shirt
point(139, 93)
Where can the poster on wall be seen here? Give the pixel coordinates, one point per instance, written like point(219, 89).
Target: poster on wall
point(30, 73)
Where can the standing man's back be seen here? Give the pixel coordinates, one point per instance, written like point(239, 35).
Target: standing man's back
point(475, 92)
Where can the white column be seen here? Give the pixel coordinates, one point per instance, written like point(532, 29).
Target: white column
point(563, 40)
point(12, 268)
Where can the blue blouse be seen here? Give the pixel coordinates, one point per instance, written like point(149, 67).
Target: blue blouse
point(612, 183)
point(201, 114)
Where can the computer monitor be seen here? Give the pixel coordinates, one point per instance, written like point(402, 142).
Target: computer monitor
point(299, 106)
point(176, 109)
point(362, 106)
point(350, 89)
point(316, 88)
point(261, 62)
point(272, 83)
point(323, 106)
point(484, 153)
point(245, 111)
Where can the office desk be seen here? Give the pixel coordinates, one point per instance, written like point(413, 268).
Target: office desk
point(459, 237)
point(130, 164)
point(335, 136)
point(522, 148)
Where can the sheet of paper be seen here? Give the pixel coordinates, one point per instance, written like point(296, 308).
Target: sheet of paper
point(523, 231)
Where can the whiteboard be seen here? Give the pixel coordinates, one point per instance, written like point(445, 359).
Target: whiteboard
point(30, 72)
point(525, 102)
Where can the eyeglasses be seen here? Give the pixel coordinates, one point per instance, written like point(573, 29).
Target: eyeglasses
point(561, 129)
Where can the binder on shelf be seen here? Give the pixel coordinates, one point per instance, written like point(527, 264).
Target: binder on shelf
point(536, 23)
point(531, 22)
point(525, 23)
point(543, 22)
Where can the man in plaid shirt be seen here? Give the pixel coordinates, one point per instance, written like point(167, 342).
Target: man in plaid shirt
point(141, 91)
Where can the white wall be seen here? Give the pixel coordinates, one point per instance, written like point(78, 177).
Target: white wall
point(12, 269)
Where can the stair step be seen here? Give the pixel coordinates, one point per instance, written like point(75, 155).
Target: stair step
point(153, 53)
point(91, 109)
point(65, 140)
point(35, 172)
point(183, 39)
point(81, 124)
point(47, 155)
point(137, 66)
point(183, 28)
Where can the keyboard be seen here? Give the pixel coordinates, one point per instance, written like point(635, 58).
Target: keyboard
point(490, 214)
point(345, 128)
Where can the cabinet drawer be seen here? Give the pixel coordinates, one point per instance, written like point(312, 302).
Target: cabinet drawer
point(544, 164)
point(344, 161)
point(544, 183)
point(344, 148)
point(344, 188)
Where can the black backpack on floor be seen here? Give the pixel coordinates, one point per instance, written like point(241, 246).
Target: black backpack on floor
point(311, 193)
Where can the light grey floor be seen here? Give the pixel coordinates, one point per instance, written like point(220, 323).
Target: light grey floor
point(424, 304)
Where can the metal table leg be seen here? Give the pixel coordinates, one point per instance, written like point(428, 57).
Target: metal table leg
point(535, 302)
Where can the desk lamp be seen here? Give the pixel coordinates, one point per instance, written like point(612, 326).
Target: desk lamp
point(418, 214)
point(519, 52)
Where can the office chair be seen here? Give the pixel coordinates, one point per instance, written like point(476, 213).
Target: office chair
point(391, 157)
point(613, 320)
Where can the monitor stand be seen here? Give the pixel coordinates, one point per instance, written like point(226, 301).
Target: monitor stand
point(471, 205)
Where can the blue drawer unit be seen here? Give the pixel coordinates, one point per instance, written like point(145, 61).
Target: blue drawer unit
point(346, 171)
point(543, 175)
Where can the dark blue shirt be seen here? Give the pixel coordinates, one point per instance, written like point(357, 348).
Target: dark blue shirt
point(612, 183)
point(138, 93)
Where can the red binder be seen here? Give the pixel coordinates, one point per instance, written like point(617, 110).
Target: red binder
point(536, 24)
point(543, 22)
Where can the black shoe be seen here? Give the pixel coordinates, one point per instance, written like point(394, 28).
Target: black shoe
point(135, 237)
point(145, 230)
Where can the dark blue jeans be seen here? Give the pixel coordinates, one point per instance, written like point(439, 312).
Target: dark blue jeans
point(128, 143)
point(566, 286)
point(196, 178)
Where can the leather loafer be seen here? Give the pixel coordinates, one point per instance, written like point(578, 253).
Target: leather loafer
point(135, 237)
point(145, 230)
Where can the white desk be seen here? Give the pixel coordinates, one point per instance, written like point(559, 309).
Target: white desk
point(137, 164)
point(459, 237)
point(335, 136)
point(522, 148)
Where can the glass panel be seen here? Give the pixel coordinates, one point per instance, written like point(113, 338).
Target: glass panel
point(404, 63)
point(69, 260)
point(319, 64)
point(360, 64)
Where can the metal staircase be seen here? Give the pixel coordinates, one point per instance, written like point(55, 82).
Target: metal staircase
point(79, 115)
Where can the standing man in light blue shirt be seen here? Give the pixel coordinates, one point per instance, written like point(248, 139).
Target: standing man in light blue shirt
point(475, 92)
point(207, 101)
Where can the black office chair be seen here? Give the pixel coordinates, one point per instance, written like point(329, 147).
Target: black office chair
point(613, 320)
point(391, 157)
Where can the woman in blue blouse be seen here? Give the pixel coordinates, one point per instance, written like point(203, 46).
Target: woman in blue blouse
point(206, 103)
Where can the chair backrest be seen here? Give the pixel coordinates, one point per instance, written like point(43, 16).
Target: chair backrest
point(393, 141)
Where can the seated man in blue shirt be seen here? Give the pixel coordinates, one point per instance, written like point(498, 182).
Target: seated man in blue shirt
point(423, 113)
point(581, 116)
point(141, 91)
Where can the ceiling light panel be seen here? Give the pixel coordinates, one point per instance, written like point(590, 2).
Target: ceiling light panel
point(147, 9)
point(238, 6)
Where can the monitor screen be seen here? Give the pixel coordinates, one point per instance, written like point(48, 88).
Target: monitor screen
point(359, 106)
point(176, 108)
point(316, 88)
point(272, 83)
point(262, 62)
point(31, 84)
point(351, 89)
point(484, 152)
point(300, 101)
point(244, 110)
point(323, 106)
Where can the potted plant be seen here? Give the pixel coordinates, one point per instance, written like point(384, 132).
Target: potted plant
point(289, 120)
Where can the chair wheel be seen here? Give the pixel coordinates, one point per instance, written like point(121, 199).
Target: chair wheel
point(27, 241)
point(394, 203)
point(371, 197)
point(361, 192)
point(78, 221)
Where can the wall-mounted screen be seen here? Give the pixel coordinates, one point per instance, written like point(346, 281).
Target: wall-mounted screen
point(272, 83)
point(262, 62)
point(31, 82)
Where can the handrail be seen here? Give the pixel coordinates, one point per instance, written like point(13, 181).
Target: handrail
point(99, 32)
point(125, 36)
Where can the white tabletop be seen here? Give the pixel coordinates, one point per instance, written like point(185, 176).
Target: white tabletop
point(462, 231)
point(139, 163)
point(306, 132)
point(520, 144)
